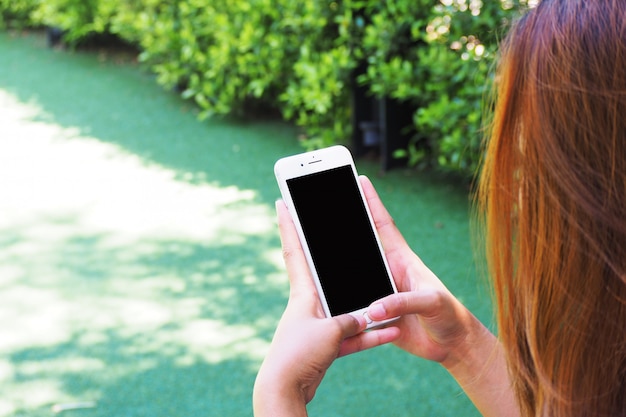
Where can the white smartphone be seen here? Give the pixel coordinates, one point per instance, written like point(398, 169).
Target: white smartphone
point(324, 196)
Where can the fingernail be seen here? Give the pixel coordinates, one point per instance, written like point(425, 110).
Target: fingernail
point(377, 311)
point(361, 320)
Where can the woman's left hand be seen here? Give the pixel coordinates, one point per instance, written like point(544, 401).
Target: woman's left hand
point(306, 342)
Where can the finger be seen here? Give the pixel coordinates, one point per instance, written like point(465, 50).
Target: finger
point(355, 340)
point(390, 236)
point(368, 340)
point(426, 303)
point(350, 325)
point(295, 262)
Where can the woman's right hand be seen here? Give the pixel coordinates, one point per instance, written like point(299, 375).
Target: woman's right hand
point(435, 325)
point(433, 322)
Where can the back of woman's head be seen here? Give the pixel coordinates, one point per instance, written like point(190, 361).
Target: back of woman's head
point(553, 189)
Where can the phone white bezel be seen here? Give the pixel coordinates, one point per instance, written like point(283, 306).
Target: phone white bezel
point(306, 163)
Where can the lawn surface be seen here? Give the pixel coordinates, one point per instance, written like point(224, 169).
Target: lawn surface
point(140, 266)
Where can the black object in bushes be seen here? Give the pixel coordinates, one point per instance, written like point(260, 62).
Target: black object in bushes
point(381, 124)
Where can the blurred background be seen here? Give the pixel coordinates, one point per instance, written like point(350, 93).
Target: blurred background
point(140, 265)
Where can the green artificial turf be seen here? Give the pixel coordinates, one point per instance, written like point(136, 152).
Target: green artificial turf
point(140, 266)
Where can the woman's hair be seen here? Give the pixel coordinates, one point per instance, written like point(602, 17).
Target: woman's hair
point(553, 198)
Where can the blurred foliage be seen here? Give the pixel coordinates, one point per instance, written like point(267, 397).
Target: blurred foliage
point(438, 58)
point(16, 14)
point(299, 58)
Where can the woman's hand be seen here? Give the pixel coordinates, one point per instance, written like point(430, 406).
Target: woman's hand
point(433, 322)
point(306, 342)
point(436, 326)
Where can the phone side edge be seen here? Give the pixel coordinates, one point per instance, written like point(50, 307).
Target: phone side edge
point(281, 179)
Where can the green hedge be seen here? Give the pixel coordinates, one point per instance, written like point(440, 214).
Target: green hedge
point(299, 56)
point(17, 13)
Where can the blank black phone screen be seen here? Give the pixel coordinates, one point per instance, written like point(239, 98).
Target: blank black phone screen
point(342, 243)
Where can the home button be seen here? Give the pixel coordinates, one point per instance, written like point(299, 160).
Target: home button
point(367, 318)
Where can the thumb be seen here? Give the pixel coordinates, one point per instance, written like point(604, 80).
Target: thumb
point(349, 325)
point(300, 279)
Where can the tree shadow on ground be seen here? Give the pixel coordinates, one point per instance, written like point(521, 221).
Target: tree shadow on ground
point(178, 329)
point(137, 384)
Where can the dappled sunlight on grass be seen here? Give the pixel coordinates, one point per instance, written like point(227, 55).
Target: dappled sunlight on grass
point(110, 262)
point(54, 172)
point(140, 267)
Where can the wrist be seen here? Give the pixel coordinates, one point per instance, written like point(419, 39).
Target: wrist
point(274, 396)
point(479, 366)
point(473, 350)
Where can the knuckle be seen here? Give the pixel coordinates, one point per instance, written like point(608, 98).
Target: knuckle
point(439, 300)
point(288, 252)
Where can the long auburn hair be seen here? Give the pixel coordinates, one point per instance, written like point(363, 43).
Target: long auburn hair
point(552, 195)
